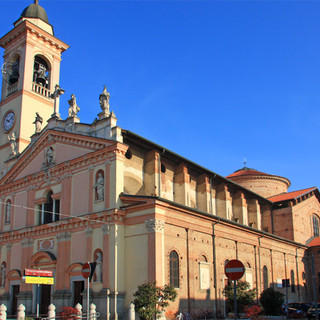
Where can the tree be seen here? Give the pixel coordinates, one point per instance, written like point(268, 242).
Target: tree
point(271, 301)
point(151, 300)
point(245, 295)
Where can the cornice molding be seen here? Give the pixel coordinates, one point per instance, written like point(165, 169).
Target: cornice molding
point(63, 227)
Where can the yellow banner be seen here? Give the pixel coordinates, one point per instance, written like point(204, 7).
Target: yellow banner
point(39, 280)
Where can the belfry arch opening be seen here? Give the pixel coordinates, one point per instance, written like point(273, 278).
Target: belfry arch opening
point(41, 72)
point(15, 65)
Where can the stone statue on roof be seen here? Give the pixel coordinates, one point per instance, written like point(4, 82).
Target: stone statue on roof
point(38, 122)
point(74, 108)
point(104, 101)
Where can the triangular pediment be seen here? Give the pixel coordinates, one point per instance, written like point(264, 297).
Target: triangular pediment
point(65, 147)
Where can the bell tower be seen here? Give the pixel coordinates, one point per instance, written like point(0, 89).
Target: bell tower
point(30, 73)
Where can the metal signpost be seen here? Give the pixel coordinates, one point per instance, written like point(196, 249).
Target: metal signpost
point(234, 270)
point(86, 271)
point(34, 276)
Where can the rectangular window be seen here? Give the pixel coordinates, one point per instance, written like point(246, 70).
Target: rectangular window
point(49, 211)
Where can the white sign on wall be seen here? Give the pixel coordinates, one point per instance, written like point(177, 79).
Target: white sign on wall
point(204, 275)
point(279, 283)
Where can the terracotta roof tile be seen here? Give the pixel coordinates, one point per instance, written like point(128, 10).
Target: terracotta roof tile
point(314, 242)
point(291, 195)
point(247, 172)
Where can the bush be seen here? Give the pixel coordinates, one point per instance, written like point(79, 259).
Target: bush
point(245, 295)
point(69, 313)
point(271, 301)
point(252, 312)
point(151, 300)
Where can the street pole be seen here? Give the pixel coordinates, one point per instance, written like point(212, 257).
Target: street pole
point(38, 299)
point(235, 299)
point(88, 284)
point(315, 298)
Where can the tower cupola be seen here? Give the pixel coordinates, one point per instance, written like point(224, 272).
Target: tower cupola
point(34, 10)
point(36, 15)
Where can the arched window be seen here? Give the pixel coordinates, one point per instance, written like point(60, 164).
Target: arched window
point(265, 278)
point(7, 216)
point(50, 210)
point(293, 287)
point(315, 223)
point(174, 269)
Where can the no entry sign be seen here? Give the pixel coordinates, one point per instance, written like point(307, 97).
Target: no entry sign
point(234, 270)
point(86, 270)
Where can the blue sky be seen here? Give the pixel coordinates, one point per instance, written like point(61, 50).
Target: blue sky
point(214, 81)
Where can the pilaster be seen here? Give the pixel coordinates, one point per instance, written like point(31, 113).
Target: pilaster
point(155, 228)
point(30, 204)
point(254, 214)
point(223, 202)
point(63, 260)
point(182, 184)
point(66, 194)
point(203, 193)
point(8, 262)
point(106, 255)
point(89, 233)
point(27, 246)
point(240, 212)
point(151, 174)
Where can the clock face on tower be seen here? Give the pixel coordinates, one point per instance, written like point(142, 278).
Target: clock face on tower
point(8, 121)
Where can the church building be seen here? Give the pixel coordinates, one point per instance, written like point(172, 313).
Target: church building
point(73, 192)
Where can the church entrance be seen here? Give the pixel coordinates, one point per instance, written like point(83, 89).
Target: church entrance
point(45, 298)
point(15, 290)
point(78, 287)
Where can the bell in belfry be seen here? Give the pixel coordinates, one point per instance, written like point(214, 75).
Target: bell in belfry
point(41, 72)
point(14, 76)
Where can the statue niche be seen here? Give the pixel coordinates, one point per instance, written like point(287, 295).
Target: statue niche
point(98, 259)
point(99, 186)
point(3, 274)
